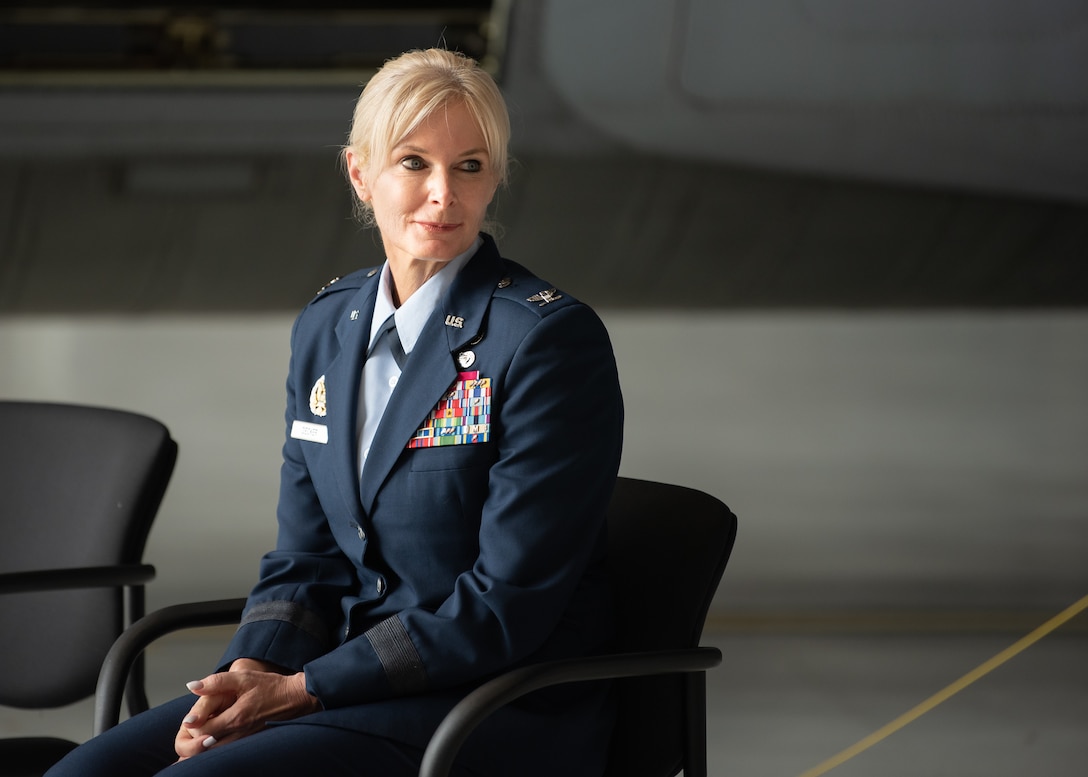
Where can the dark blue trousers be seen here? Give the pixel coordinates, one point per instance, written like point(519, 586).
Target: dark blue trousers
point(144, 746)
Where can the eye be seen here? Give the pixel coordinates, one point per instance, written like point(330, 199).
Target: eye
point(412, 163)
point(472, 166)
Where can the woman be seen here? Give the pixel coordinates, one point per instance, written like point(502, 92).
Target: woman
point(444, 482)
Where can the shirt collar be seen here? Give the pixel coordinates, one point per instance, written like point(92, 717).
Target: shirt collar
point(413, 314)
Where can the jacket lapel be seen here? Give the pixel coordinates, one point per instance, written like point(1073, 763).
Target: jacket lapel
point(431, 367)
point(343, 381)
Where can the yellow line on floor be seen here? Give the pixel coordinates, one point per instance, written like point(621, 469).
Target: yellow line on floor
point(1063, 617)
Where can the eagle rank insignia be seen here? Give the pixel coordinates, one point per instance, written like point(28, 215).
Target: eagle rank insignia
point(544, 297)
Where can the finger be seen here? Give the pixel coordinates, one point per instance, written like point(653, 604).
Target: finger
point(220, 718)
point(205, 709)
point(222, 682)
point(188, 746)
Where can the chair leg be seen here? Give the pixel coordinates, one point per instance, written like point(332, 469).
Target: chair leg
point(135, 686)
point(695, 713)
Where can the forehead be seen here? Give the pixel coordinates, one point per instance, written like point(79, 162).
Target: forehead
point(450, 127)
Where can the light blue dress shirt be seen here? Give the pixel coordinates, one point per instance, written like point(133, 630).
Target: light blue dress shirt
point(380, 370)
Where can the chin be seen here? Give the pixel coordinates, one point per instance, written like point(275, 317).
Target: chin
point(442, 250)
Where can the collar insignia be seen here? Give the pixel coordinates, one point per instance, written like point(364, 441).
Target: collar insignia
point(544, 297)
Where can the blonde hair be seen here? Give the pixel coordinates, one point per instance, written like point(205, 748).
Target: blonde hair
point(408, 89)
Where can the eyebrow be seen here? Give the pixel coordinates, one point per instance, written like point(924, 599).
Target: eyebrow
point(419, 150)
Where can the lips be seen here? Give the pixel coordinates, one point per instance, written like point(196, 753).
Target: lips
point(438, 226)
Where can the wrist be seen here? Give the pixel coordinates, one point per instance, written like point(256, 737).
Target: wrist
point(309, 701)
point(255, 665)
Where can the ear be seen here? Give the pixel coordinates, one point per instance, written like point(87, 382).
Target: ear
point(355, 174)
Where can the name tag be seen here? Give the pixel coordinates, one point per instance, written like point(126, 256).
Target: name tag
point(300, 430)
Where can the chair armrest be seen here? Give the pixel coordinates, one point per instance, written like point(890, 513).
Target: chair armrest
point(136, 638)
point(499, 691)
point(76, 577)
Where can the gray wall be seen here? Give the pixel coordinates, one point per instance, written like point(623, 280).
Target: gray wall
point(875, 459)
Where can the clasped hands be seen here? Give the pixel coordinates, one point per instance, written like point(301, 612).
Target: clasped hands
point(239, 702)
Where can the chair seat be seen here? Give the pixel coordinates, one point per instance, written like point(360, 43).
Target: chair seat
point(32, 756)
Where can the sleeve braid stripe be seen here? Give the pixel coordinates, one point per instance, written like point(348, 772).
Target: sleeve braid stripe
point(402, 664)
point(288, 612)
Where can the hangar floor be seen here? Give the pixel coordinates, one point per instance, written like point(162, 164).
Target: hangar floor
point(787, 699)
point(784, 704)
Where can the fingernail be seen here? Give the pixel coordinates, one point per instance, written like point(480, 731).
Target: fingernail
point(189, 719)
point(208, 742)
point(195, 685)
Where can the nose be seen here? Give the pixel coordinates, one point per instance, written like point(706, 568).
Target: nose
point(440, 187)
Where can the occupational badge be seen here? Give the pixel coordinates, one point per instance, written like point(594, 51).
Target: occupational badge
point(317, 398)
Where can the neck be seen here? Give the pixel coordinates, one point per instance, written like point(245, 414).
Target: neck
point(409, 277)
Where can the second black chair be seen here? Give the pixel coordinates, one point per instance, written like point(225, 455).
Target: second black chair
point(668, 547)
point(79, 489)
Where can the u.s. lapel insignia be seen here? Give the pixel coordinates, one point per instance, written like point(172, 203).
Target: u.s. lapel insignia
point(317, 398)
point(544, 297)
point(466, 359)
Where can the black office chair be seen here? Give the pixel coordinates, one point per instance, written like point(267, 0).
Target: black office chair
point(79, 489)
point(668, 548)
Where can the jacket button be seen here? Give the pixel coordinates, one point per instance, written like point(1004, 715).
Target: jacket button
point(362, 534)
point(380, 586)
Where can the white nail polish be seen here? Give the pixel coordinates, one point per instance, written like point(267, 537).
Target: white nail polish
point(189, 719)
point(195, 685)
point(208, 742)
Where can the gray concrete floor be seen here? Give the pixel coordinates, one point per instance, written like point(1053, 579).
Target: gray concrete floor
point(783, 704)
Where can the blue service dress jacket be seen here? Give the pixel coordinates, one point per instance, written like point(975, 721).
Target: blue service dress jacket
point(474, 540)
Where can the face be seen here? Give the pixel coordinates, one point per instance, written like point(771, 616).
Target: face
point(431, 195)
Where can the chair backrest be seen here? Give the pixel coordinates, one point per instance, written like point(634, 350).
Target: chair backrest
point(79, 487)
point(668, 548)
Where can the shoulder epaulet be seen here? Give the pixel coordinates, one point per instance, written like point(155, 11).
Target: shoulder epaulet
point(327, 285)
point(350, 281)
point(520, 285)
